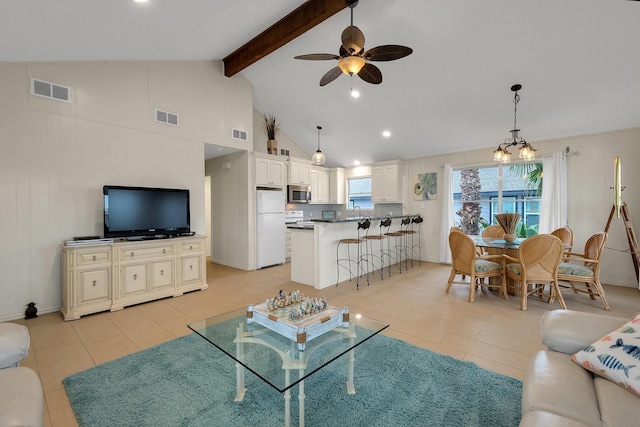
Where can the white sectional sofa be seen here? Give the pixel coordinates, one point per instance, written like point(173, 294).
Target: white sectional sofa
point(21, 398)
point(558, 392)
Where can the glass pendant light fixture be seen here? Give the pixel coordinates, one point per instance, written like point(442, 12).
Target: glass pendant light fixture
point(526, 151)
point(318, 158)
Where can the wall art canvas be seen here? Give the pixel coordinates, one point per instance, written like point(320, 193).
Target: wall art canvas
point(425, 186)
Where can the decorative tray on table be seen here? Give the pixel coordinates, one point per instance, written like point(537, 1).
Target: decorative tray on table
point(297, 317)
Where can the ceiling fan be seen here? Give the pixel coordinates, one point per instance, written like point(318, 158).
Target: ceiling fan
point(353, 59)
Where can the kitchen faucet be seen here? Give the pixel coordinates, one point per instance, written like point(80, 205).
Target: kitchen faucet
point(353, 211)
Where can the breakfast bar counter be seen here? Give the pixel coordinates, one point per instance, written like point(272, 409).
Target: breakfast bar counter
point(313, 248)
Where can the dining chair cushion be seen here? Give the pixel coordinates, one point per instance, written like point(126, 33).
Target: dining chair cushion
point(515, 269)
point(616, 356)
point(484, 266)
point(575, 269)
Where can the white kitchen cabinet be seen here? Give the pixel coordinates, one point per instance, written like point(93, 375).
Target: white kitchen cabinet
point(337, 186)
point(387, 183)
point(299, 172)
point(112, 276)
point(269, 172)
point(319, 186)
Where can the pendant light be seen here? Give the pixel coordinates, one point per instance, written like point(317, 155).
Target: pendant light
point(318, 158)
point(526, 151)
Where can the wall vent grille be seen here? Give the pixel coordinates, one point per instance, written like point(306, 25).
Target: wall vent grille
point(166, 118)
point(50, 90)
point(239, 134)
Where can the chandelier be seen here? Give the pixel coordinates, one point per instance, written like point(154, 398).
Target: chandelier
point(318, 157)
point(526, 151)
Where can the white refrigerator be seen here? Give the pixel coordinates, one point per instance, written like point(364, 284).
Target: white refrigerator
point(270, 228)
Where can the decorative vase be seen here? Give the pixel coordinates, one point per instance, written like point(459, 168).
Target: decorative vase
point(272, 147)
point(510, 238)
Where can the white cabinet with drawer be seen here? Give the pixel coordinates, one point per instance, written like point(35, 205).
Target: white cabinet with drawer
point(112, 276)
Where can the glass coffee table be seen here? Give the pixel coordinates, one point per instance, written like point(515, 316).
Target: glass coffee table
point(280, 361)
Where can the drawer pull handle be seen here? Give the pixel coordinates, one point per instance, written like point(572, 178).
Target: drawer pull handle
point(95, 258)
point(190, 247)
point(191, 267)
point(95, 282)
point(131, 254)
point(135, 277)
point(164, 251)
point(162, 272)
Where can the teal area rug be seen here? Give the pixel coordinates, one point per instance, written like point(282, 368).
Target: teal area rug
point(188, 382)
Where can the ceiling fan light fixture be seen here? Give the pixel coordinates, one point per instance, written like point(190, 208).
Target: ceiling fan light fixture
point(351, 64)
point(318, 157)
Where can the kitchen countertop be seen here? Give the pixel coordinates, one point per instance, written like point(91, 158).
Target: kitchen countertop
point(357, 218)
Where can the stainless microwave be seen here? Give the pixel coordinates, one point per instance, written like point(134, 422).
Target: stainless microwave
point(298, 194)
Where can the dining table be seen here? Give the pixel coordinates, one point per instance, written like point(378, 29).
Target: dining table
point(498, 246)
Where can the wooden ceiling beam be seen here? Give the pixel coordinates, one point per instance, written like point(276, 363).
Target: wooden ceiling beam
point(305, 17)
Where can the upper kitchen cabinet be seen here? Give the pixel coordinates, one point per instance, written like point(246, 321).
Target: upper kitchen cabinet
point(299, 172)
point(387, 182)
point(337, 186)
point(319, 185)
point(270, 170)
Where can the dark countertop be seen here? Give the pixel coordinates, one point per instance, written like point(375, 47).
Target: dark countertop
point(301, 226)
point(358, 218)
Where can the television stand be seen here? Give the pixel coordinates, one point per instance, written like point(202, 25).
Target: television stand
point(115, 275)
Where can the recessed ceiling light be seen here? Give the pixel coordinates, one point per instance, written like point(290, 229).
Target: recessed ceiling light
point(141, 1)
point(386, 134)
point(356, 162)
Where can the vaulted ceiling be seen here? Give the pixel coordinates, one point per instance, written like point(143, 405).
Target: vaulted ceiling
point(577, 60)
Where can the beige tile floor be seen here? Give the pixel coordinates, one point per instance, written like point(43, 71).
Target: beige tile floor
point(491, 332)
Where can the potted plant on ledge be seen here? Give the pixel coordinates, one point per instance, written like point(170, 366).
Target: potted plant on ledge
point(271, 127)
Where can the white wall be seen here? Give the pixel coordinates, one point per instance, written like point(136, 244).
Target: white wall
point(56, 156)
point(590, 198)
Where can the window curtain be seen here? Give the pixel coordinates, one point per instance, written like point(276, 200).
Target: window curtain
point(447, 214)
point(553, 212)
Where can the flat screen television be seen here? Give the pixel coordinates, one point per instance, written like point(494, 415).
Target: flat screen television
point(145, 212)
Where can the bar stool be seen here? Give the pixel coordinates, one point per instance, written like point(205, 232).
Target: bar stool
point(387, 252)
point(369, 256)
point(348, 262)
point(416, 221)
point(407, 230)
point(399, 248)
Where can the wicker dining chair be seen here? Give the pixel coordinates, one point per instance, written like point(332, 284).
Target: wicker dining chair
point(566, 235)
point(585, 268)
point(536, 266)
point(495, 231)
point(466, 262)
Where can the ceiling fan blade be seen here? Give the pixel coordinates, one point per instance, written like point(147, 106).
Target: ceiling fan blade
point(353, 39)
point(370, 74)
point(331, 75)
point(387, 52)
point(317, 56)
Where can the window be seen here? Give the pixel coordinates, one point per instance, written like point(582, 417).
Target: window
point(360, 192)
point(481, 193)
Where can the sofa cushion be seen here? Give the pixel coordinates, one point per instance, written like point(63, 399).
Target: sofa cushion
point(21, 399)
point(616, 356)
point(547, 419)
point(557, 385)
point(14, 344)
point(569, 331)
point(617, 407)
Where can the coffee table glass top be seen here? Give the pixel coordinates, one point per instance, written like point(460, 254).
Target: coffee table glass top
point(275, 359)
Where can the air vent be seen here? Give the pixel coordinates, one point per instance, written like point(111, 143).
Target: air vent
point(239, 134)
point(50, 90)
point(166, 118)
